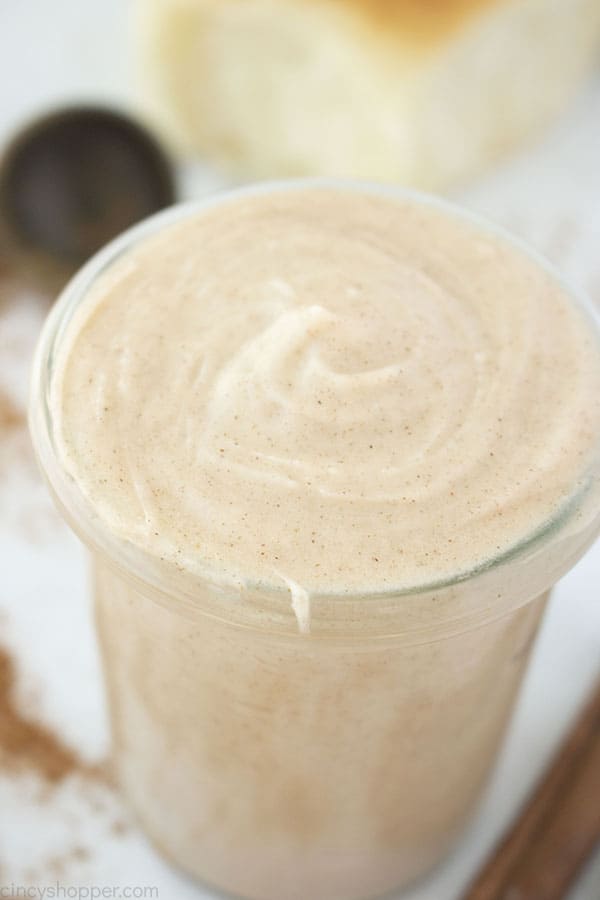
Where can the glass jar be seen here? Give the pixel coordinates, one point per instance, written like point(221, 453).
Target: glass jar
point(283, 765)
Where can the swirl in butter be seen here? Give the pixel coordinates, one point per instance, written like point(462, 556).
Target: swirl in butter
point(327, 389)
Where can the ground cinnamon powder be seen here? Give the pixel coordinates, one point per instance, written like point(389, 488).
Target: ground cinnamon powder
point(25, 744)
point(14, 442)
point(11, 417)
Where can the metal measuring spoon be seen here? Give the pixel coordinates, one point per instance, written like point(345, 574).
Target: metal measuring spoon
point(69, 182)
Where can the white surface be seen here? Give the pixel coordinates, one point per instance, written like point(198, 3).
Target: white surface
point(549, 195)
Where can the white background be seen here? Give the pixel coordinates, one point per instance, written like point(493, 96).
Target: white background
point(550, 194)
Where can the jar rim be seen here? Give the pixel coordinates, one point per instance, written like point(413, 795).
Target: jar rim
point(132, 558)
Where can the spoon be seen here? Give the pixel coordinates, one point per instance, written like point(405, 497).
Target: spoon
point(69, 182)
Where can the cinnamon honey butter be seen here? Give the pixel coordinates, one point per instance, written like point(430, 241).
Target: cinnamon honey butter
point(326, 391)
point(330, 446)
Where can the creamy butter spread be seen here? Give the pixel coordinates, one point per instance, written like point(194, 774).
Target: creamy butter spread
point(325, 390)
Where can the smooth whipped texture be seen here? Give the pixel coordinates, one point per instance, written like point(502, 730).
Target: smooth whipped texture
point(327, 391)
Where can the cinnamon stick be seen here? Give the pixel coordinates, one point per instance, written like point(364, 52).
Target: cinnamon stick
point(559, 827)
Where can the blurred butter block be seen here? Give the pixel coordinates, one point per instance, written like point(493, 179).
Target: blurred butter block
point(424, 92)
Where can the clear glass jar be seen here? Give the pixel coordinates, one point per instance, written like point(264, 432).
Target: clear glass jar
point(277, 765)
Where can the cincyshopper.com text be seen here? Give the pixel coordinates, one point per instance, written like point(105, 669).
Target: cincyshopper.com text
point(58, 891)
